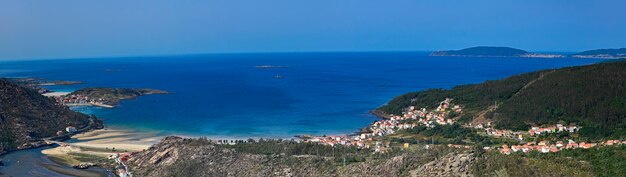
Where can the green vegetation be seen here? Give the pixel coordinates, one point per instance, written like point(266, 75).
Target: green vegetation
point(446, 134)
point(74, 158)
point(288, 147)
point(201, 157)
point(27, 116)
point(610, 53)
point(112, 96)
point(592, 96)
point(602, 161)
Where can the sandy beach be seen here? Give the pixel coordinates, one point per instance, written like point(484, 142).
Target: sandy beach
point(102, 143)
point(53, 94)
point(115, 138)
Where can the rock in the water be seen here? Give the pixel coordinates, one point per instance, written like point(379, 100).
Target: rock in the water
point(84, 165)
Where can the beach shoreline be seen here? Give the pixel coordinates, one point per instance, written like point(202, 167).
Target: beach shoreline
point(86, 147)
point(105, 142)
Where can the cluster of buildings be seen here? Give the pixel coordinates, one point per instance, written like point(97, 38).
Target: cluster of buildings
point(538, 130)
point(80, 100)
point(362, 140)
point(546, 146)
point(503, 133)
point(533, 131)
point(412, 117)
point(73, 99)
point(122, 169)
point(68, 129)
point(431, 118)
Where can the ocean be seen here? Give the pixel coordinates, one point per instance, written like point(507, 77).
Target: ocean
point(228, 96)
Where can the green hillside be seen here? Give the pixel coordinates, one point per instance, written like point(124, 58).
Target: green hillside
point(593, 96)
point(26, 116)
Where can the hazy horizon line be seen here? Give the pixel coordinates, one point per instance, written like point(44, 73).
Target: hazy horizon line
point(251, 52)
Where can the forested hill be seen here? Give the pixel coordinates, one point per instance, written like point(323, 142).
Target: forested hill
point(593, 96)
point(483, 51)
point(602, 53)
point(26, 117)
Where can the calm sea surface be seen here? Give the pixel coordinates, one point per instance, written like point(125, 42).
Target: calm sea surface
point(225, 95)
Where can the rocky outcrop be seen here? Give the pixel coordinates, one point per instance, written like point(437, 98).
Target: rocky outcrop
point(175, 156)
point(450, 165)
point(84, 165)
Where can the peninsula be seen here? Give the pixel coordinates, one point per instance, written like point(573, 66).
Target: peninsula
point(602, 53)
point(103, 97)
point(487, 51)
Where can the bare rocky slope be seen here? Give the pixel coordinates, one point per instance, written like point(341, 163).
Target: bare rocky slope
point(176, 156)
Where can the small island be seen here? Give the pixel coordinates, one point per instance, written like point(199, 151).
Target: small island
point(487, 51)
point(602, 53)
point(270, 66)
point(103, 97)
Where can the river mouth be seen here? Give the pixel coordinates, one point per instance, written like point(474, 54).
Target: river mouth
point(32, 162)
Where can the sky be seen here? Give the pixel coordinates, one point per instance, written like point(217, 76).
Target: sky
point(32, 29)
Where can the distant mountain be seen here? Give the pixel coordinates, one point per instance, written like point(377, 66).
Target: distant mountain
point(593, 96)
point(602, 53)
point(26, 117)
point(485, 51)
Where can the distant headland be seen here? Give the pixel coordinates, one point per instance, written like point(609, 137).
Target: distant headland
point(602, 53)
point(103, 97)
point(487, 51)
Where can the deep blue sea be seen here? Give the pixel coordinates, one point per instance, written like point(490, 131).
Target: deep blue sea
point(225, 95)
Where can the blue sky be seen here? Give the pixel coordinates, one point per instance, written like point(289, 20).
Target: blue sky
point(88, 28)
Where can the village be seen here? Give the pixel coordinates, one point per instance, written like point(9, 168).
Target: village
point(414, 117)
point(545, 146)
point(80, 100)
point(411, 118)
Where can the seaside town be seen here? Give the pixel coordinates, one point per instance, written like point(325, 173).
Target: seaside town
point(411, 118)
point(414, 117)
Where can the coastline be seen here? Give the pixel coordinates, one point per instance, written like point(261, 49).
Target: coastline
point(87, 146)
point(123, 139)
